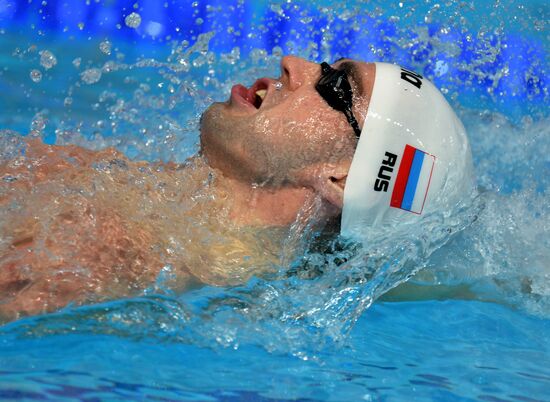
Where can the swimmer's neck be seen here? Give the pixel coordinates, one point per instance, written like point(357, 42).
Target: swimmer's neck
point(251, 205)
point(260, 206)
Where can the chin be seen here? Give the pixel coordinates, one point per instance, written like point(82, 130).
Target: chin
point(208, 115)
point(211, 123)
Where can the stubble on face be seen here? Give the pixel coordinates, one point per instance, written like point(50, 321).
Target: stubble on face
point(270, 146)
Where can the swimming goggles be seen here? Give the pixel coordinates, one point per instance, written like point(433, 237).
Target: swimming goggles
point(335, 89)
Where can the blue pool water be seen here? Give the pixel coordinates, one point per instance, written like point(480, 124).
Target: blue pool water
point(473, 323)
point(445, 350)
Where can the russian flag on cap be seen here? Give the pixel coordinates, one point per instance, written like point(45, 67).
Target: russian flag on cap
point(413, 180)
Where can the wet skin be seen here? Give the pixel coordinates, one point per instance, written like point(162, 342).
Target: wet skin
point(82, 226)
point(293, 131)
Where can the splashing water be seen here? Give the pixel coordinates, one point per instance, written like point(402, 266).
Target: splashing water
point(148, 107)
point(301, 327)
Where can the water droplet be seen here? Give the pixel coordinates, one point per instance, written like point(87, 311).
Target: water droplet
point(539, 24)
point(91, 75)
point(133, 20)
point(81, 26)
point(109, 66)
point(47, 59)
point(105, 47)
point(153, 28)
point(38, 123)
point(76, 62)
point(277, 52)
point(232, 57)
point(277, 9)
point(68, 101)
point(199, 21)
point(441, 68)
point(36, 75)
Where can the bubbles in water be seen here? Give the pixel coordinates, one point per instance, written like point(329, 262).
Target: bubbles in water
point(36, 75)
point(47, 59)
point(91, 75)
point(105, 47)
point(133, 20)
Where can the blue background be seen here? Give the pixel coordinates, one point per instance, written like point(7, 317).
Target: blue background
point(522, 47)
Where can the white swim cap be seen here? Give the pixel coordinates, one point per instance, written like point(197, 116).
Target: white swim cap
point(412, 159)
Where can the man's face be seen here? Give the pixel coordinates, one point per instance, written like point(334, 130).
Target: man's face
point(270, 141)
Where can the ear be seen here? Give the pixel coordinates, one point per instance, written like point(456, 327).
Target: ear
point(328, 180)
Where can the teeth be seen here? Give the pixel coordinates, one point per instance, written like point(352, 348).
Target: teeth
point(261, 93)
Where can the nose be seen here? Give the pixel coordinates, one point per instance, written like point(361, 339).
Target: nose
point(297, 72)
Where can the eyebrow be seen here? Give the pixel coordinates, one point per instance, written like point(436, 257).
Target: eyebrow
point(352, 69)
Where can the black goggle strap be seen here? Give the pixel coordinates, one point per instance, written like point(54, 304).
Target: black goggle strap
point(330, 74)
point(353, 122)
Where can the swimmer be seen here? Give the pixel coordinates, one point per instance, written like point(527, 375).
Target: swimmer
point(374, 143)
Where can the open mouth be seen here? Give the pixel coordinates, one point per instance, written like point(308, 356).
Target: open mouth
point(253, 96)
point(259, 98)
point(259, 90)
